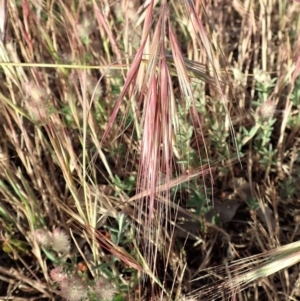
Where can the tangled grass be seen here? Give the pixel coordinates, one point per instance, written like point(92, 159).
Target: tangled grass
point(146, 144)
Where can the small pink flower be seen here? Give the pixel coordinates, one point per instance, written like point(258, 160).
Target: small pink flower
point(58, 275)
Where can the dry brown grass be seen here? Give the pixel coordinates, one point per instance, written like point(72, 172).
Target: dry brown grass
point(115, 114)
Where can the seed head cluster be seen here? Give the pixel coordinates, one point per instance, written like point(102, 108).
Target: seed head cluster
point(57, 240)
point(72, 287)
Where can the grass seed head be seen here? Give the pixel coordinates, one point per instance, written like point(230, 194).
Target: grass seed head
point(73, 289)
point(36, 101)
point(104, 290)
point(94, 87)
point(60, 241)
point(43, 237)
point(85, 28)
point(266, 110)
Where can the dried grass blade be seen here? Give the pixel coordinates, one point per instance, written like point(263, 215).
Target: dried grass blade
point(2, 19)
point(242, 273)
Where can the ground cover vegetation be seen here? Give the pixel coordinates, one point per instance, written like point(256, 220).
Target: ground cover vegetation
point(149, 150)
